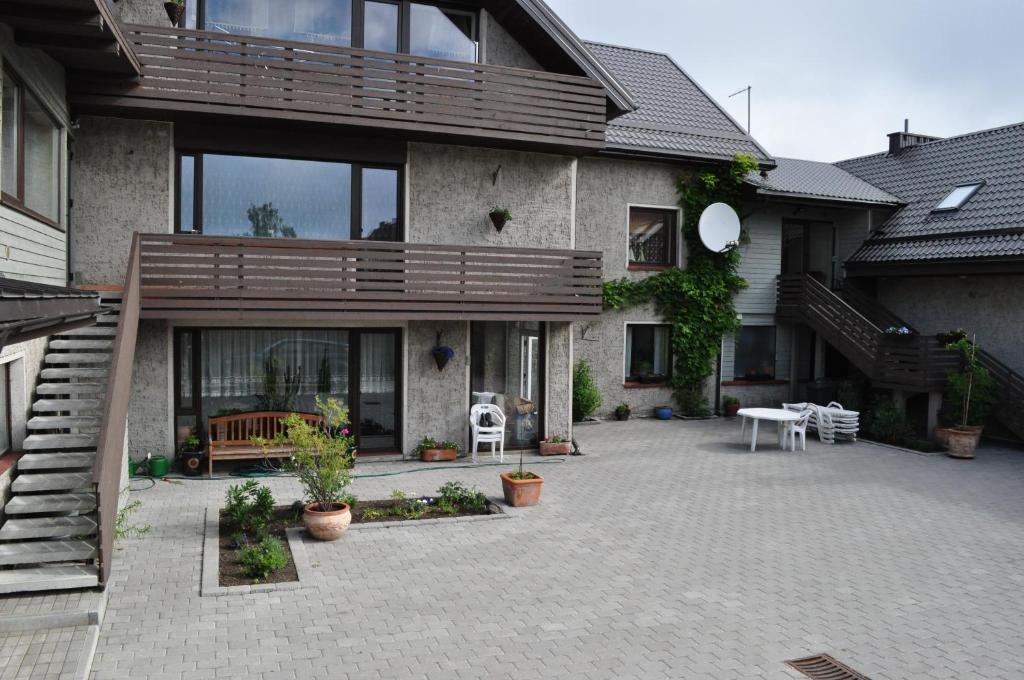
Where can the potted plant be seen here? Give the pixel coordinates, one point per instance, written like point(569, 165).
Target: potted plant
point(442, 354)
point(622, 411)
point(521, 488)
point(556, 445)
point(663, 412)
point(190, 455)
point(899, 332)
point(500, 217)
point(322, 462)
point(970, 392)
point(433, 451)
point(731, 406)
point(951, 336)
point(175, 11)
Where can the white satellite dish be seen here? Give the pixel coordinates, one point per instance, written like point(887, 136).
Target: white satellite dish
point(719, 228)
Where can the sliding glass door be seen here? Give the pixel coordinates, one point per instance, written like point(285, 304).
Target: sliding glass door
point(226, 371)
point(507, 368)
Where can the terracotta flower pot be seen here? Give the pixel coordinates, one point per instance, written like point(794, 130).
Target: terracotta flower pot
point(327, 525)
point(731, 410)
point(553, 449)
point(438, 455)
point(941, 436)
point(520, 493)
point(963, 442)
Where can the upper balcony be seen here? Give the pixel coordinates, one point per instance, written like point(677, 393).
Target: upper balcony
point(191, 73)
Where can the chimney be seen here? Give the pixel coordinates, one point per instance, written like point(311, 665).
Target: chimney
point(898, 141)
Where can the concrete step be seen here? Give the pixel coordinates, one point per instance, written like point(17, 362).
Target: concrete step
point(88, 331)
point(51, 502)
point(77, 344)
point(48, 578)
point(78, 358)
point(35, 552)
point(59, 442)
point(56, 461)
point(47, 527)
point(71, 373)
point(51, 481)
point(66, 405)
point(60, 422)
point(71, 389)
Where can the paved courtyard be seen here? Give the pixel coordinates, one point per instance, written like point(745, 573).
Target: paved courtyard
point(668, 551)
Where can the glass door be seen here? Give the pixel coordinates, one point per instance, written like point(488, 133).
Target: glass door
point(507, 367)
point(377, 394)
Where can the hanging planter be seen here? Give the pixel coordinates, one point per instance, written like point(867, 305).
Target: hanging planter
point(442, 354)
point(500, 217)
point(175, 11)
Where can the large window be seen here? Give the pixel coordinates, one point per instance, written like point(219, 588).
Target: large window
point(31, 153)
point(755, 353)
point(224, 371)
point(415, 28)
point(648, 353)
point(652, 237)
point(227, 195)
point(507, 365)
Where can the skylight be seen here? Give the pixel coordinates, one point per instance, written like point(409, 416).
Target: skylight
point(957, 197)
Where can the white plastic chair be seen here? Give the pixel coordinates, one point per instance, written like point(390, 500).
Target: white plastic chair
point(483, 434)
point(799, 427)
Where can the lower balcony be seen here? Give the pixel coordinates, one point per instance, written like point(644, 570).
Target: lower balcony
point(209, 278)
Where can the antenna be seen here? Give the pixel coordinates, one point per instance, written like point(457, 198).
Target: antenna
point(748, 89)
point(719, 228)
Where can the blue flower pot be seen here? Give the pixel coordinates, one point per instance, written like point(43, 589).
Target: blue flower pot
point(663, 413)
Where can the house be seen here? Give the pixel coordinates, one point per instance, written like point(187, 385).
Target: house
point(276, 201)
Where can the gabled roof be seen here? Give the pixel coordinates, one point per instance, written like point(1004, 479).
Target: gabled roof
point(674, 117)
point(990, 225)
point(794, 178)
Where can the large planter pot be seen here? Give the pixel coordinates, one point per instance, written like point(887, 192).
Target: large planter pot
point(438, 455)
point(552, 449)
point(520, 493)
point(731, 410)
point(663, 413)
point(327, 525)
point(963, 442)
point(941, 436)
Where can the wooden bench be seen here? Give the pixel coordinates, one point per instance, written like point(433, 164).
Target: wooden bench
point(231, 436)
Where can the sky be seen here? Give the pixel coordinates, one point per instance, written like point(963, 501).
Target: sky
point(830, 79)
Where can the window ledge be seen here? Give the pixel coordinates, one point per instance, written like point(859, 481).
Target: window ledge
point(648, 267)
point(753, 383)
point(31, 214)
point(641, 386)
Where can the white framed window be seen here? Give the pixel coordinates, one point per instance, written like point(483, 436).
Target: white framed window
point(956, 198)
point(648, 353)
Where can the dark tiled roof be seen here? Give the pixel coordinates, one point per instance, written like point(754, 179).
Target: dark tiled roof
point(813, 179)
point(31, 310)
point(987, 226)
point(674, 116)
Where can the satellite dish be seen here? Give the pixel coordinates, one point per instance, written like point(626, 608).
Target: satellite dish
point(719, 228)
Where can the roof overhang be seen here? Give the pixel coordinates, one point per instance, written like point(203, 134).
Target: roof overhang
point(82, 35)
point(783, 196)
point(971, 267)
point(647, 153)
point(29, 311)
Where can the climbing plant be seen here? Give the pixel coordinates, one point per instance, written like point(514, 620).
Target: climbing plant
point(697, 301)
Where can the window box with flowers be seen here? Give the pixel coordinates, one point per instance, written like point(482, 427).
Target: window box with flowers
point(556, 445)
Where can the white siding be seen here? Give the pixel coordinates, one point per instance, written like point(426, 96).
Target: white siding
point(761, 263)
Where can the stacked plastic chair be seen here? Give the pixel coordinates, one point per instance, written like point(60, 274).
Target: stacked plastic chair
point(830, 421)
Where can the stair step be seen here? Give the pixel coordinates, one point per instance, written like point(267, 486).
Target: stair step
point(58, 422)
point(56, 461)
point(78, 358)
point(71, 373)
point(47, 527)
point(34, 552)
point(48, 578)
point(51, 502)
point(42, 442)
point(89, 331)
point(82, 344)
point(51, 481)
point(66, 405)
point(56, 389)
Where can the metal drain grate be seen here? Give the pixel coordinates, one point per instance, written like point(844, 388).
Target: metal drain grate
point(824, 667)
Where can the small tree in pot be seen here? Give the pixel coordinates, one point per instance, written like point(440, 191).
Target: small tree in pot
point(521, 488)
point(970, 393)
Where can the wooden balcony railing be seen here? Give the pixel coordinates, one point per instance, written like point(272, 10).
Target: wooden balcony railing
point(209, 278)
point(199, 72)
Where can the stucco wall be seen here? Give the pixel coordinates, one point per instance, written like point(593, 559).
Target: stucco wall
point(149, 411)
point(122, 184)
point(437, 401)
point(559, 380)
point(502, 49)
point(148, 12)
point(987, 305)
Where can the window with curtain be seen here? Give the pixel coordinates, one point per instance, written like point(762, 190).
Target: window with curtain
point(652, 237)
point(327, 22)
point(648, 350)
point(755, 353)
point(31, 141)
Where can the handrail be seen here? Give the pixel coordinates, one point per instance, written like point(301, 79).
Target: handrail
point(106, 476)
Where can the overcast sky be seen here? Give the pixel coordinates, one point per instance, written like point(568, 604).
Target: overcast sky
point(832, 77)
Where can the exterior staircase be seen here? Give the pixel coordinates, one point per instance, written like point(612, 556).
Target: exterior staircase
point(49, 539)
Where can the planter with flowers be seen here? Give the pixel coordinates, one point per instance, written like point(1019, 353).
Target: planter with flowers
point(432, 451)
point(556, 445)
point(899, 333)
point(521, 488)
point(500, 217)
point(442, 354)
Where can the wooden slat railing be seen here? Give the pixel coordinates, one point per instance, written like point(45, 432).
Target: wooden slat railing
point(257, 279)
point(189, 72)
point(106, 476)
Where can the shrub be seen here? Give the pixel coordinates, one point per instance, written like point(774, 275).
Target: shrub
point(457, 496)
point(585, 396)
point(249, 506)
point(691, 401)
point(888, 423)
point(262, 559)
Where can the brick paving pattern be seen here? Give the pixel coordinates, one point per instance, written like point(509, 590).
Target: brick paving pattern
point(51, 654)
point(668, 551)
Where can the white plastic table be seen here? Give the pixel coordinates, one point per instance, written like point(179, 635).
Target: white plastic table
point(780, 416)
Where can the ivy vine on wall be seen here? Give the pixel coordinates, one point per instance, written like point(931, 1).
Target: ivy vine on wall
point(697, 301)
